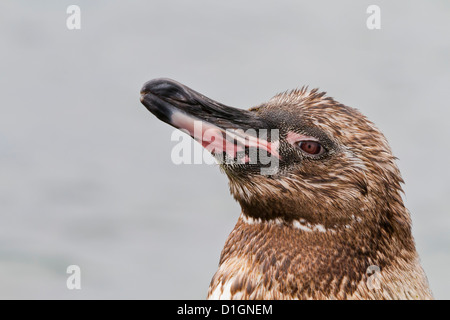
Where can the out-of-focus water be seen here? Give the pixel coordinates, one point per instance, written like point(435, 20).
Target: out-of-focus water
point(85, 171)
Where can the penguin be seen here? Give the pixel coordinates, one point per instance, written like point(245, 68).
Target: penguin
point(322, 214)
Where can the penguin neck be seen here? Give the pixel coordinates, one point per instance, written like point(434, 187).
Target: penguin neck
point(304, 261)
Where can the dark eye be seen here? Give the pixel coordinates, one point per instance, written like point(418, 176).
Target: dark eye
point(311, 147)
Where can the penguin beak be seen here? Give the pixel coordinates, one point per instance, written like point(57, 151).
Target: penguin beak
point(219, 128)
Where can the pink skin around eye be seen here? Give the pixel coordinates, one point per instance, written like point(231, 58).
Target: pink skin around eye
point(293, 138)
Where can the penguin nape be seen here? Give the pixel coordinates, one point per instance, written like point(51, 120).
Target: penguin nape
point(313, 224)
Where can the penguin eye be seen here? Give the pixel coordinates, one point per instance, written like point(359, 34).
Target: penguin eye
point(311, 147)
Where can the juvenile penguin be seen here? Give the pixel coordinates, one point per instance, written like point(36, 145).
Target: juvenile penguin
point(323, 218)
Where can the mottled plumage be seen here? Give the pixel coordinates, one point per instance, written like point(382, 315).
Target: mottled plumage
point(312, 229)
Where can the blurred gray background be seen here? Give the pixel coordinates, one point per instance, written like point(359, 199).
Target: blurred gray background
point(86, 176)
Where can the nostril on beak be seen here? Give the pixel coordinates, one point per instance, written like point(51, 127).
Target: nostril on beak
point(166, 88)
